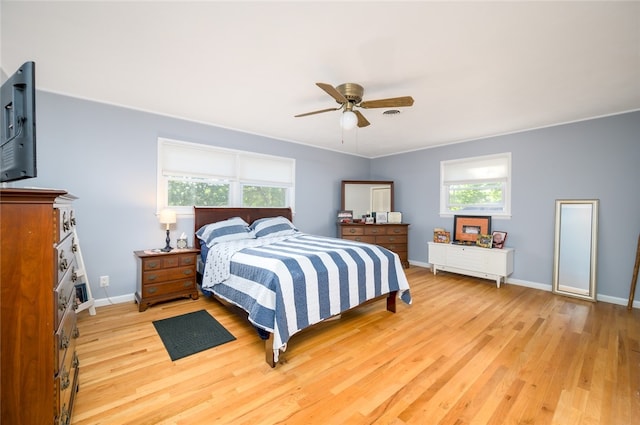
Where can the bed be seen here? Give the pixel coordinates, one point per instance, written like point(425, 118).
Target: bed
point(288, 280)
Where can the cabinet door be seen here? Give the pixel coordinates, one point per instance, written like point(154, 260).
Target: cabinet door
point(437, 253)
point(467, 258)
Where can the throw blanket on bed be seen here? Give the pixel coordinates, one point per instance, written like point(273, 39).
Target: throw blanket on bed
point(289, 283)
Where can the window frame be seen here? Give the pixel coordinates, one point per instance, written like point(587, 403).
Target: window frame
point(233, 177)
point(469, 163)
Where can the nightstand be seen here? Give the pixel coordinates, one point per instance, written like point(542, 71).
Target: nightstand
point(164, 276)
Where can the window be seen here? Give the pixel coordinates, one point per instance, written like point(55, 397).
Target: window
point(192, 174)
point(476, 186)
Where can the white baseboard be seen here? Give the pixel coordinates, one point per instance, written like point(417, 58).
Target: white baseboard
point(547, 287)
point(101, 302)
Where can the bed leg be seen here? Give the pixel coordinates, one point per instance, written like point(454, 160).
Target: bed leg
point(391, 301)
point(268, 351)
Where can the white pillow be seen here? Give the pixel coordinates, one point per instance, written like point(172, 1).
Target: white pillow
point(272, 226)
point(231, 229)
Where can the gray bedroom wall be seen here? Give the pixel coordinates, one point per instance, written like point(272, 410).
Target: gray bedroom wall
point(595, 159)
point(106, 156)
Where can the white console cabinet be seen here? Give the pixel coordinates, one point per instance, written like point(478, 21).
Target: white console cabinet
point(494, 264)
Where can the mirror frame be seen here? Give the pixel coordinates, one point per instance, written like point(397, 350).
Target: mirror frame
point(592, 229)
point(368, 182)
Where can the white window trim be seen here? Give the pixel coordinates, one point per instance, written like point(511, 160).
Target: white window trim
point(506, 214)
point(236, 181)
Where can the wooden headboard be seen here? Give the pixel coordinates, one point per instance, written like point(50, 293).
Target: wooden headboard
point(206, 215)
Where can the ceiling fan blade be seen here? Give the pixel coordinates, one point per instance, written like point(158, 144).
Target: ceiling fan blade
point(388, 103)
point(331, 91)
point(362, 121)
point(318, 112)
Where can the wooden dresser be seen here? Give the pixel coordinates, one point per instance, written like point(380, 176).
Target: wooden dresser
point(394, 237)
point(164, 276)
point(37, 298)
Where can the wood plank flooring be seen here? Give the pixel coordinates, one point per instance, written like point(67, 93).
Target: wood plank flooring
point(465, 352)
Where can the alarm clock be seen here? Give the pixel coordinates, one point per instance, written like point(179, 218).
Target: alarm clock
point(181, 243)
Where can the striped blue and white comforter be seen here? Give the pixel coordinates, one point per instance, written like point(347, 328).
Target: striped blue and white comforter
point(288, 283)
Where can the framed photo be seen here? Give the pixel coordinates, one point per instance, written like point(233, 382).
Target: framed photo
point(466, 228)
point(81, 293)
point(394, 217)
point(499, 238)
point(345, 216)
point(381, 217)
point(441, 236)
point(484, 241)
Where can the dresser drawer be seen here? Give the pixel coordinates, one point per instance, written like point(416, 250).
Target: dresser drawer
point(65, 255)
point(168, 262)
point(367, 239)
point(164, 275)
point(64, 295)
point(66, 335)
point(171, 287)
point(391, 239)
point(397, 230)
point(64, 222)
point(66, 386)
point(374, 230)
point(352, 230)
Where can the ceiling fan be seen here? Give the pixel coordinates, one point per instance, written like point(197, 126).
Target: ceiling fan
point(349, 96)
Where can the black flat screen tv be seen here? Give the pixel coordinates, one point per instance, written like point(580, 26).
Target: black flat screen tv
point(18, 138)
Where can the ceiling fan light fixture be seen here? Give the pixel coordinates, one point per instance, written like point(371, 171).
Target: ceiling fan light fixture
point(348, 120)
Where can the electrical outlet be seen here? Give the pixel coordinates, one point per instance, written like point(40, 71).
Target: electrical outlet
point(104, 281)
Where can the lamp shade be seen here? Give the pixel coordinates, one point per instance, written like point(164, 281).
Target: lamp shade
point(167, 216)
point(348, 120)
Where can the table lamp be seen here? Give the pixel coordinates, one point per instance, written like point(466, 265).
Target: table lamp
point(167, 217)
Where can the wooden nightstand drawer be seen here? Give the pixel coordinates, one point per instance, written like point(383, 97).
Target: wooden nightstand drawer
point(164, 275)
point(170, 287)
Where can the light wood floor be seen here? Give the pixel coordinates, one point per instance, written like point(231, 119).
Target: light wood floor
point(465, 352)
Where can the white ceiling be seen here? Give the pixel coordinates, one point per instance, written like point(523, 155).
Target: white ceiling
point(475, 69)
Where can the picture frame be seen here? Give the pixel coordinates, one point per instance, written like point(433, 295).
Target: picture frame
point(345, 216)
point(498, 239)
point(381, 217)
point(441, 236)
point(394, 217)
point(81, 293)
point(484, 241)
point(466, 228)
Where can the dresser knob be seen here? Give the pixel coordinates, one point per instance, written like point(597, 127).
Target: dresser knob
point(65, 223)
point(152, 277)
point(64, 380)
point(64, 341)
point(152, 290)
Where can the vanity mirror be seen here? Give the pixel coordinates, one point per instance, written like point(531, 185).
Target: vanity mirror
point(366, 196)
point(575, 253)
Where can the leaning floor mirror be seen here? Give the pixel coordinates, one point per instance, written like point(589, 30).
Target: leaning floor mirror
point(575, 251)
